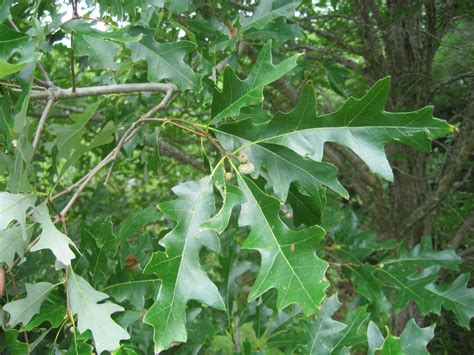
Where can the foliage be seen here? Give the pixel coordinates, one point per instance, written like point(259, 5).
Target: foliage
point(249, 258)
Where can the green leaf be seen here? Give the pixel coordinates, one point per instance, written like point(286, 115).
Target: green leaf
point(375, 338)
point(101, 244)
point(423, 255)
point(52, 311)
point(457, 297)
point(51, 238)
point(93, 315)
point(411, 287)
point(21, 311)
point(232, 197)
point(179, 268)
point(414, 339)
point(268, 10)
point(101, 53)
point(391, 346)
point(13, 207)
point(279, 165)
point(328, 336)
point(13, 345)
point(166, 60)
point(289, 261)
point(136, 221)
point(11, 243)
point(134, 287)
point(362, 125)
point(11, 42)
point(68, 137)
point(307, 209)
point(84, 28)
point(238, 93)
point(9, 68)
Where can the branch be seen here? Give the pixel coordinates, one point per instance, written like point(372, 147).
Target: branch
point(451, 80)
point(113, 154)
point(455, 161)
point(173, 152)
point(41, 124)
point(466, 228)
point(59, 93)
point(136, 126)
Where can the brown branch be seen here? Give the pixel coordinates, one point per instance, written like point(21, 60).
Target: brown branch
point(466, 228)
point(455, 162)
point(438, 86)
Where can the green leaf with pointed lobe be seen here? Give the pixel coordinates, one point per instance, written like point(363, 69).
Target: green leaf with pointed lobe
point(53, 311)
point(85, 28)
point(51, 238)
point(423, 255)
point(13, 344)
point(11, 42)
point(182, 276)
point(289, 261)
point(101, 53)
point(328, 336)
point(237, 93)
point(13, 207)
point(95, 316)
point(362, 125)
point(267, 11)
point(307, 209)
point(11, 244)
point(457, 298)
point(411, 287)
point(279, 165)
point(21, 311)
point(415, 339)
point(233, 197)
point(166, 60)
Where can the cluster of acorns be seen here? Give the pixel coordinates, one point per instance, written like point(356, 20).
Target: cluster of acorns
point(245, 167)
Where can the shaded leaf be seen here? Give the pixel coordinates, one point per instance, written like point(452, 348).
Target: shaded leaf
point(238, 93)
point(179, 268)
point(166, 60)
point(289, 260)
point(457, 298)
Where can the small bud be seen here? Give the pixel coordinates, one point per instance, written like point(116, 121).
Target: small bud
point(229, 176)
point(243, 158)
point(246, 169)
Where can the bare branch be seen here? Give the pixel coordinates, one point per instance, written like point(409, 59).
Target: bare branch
point(466, 228)
point(136, 126)
point(455, 161)
point(59, 93)
point(438, 86)
point(41, 123)
point(114, 153)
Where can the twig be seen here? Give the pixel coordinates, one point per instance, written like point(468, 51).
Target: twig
point(60, 93)
point(136, 126)
point(452, 80)
point(41, 124)
point(114, 153)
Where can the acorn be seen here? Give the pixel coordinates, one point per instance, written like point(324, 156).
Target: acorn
point(246, 168)
point(243, 158)
point(229, 176)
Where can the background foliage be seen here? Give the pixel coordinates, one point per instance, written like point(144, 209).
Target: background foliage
point(169, 177)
